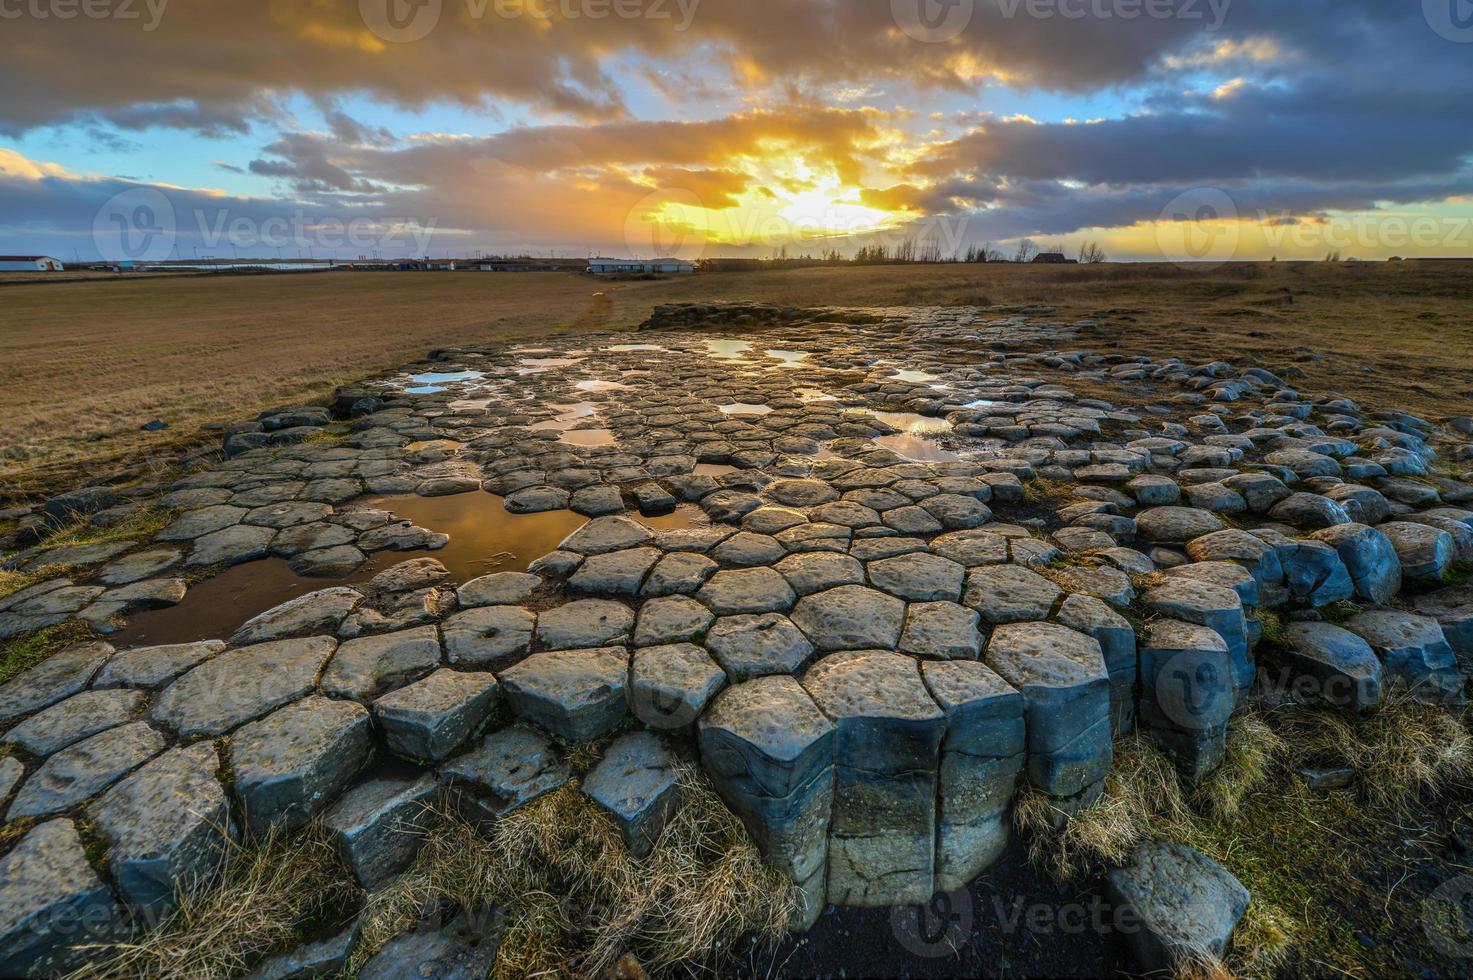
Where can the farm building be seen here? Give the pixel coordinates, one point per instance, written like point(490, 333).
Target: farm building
point(1053, 258)
point(29, 263)
point(638, 266)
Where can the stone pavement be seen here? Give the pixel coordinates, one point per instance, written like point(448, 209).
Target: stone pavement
point(925, 540)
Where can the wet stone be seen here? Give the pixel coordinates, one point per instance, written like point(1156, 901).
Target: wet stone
point(637, 782)
point(240, 685)
point(671, 685)
point(85, 769)
point(291, 765)
point(167, 826)
point(491, 636)
point(431, 718)
point(377, 827)
point(577, 695)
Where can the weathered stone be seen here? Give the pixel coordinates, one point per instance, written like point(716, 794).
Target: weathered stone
point(500, 589)
point(1309, 510)
point(671, 619)
point(919, 577)
point(377, 827)
point(1175, 525)
point(1415, 655)
point(85, 769)
point(747, 590)
point(465, 950)
point(617, 573)
point(1188, 689)
point(1061, 675)
point(407, 576)
point(1453, 610)
point(585, 624)
point(292, 764)
point(52, 903)
point(1426, 552)
point(577, 695)
point(167, 827)
point(1187, 904)
point(317, 613)
point(882, 843)
point(1010, 594)
point(755, 646)
point(669, 686)
point(1369, 557)
point(1216, 607)
point(491, 636)
point(603, 535)
point(240, 685)
point(363, 668)
point(508, 770)
point(78, 717)
point(431, 718)
point(850, 617)
point(681, 573)
point(943, 630)
point(53, 680)
point(319, 958)
point(813, 572)
point(981, 756)
point(231, 546)
point(1117, 641)
point(637, 782)
point(1333, 667)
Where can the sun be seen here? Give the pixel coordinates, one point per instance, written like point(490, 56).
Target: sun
point(827, 208)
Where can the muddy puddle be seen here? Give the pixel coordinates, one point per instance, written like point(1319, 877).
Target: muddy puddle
point(745, 408)
point(484, 538)
point(917, 449)
point(588, 438)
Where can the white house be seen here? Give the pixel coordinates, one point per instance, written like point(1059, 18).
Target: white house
point(29, 263)
point(676, 267)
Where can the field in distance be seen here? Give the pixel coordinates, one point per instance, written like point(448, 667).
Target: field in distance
point(83, 363)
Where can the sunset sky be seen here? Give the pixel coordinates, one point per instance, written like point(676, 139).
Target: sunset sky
point(1161, 128)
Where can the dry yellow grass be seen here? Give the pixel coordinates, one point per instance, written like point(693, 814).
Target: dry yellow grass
point(84, 363)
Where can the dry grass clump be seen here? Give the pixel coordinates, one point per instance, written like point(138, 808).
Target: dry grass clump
point(577, 900)
point(269, 894)
point(140, 525)
point(23, 653)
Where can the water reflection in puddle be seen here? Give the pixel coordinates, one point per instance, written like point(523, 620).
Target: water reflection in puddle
point(433, 378)
point(596, 385)
point(981, 403)
point(588, 438)
point(631, 348)
point(914, 377)
point(535, 365)
point(745, 408)
point(911, 424)
point(715, 469)
point(917, 449)
point(484, 538)
point(790, 358)
point(815, 395)
point(728, 350)
point(568, 416)
point(433, 445)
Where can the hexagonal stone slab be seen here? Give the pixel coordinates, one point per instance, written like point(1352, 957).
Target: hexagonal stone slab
point(240, 685)
point(813, 572)
point(47, 888)
point(500, 589)
point(508, 770)
point(918, 577)
point(1370, 558)
point(851, 617)
point(944, 630)
point(981, 756)
point(671, 685)
point(1214, 606)
point(747, 590)
point(671, 619)
point(972, 548)
point(577, 695)
point(1061, 674)
point(755, 646)
point(585, 624)
point(637, 782)
point(150, 667)
point(377, 827)
point(1117, 641)
point(1426, 552)
point(292, 764)
point(1187, 693)
point(85, 769)
point(618, 573)
point(1010, 594)
point(1175, 525)
point(681, 573)
point(362, 668)
point(882, 843)
point(605, 534)
point(317, 613)
point(166, 826)
point(431, 718)
point(491, 636)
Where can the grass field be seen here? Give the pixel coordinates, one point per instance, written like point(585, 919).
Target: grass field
point(83, 364)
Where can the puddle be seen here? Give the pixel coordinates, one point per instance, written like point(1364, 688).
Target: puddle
point(815, 395)
point(917, 449)
point(714, 469)
point(433, 445)
point(569, 416)
point(914, 377)
point(981, 403)
point(911, 424)
point(728, 350)
point(745, 408)
point(484, 538)
point(790, 358)
point(423, 390)
point(459, 377)
point(588, 438)
point(536, 365)
point(631, 348)
point(463, 406)
point(597, 385)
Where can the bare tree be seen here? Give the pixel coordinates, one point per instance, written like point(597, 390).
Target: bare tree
point(1090, 253)
point(1027, 249)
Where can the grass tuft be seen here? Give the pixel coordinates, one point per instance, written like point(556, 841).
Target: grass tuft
point(141, 525)
point(23, 653)
point(268, 894)
point(577, 901)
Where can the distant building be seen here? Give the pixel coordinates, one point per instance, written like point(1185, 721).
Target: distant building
point(29, 263)
point(1052, 258)
point(629, 267)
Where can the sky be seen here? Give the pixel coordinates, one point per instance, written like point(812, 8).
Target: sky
point(1180, 130)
